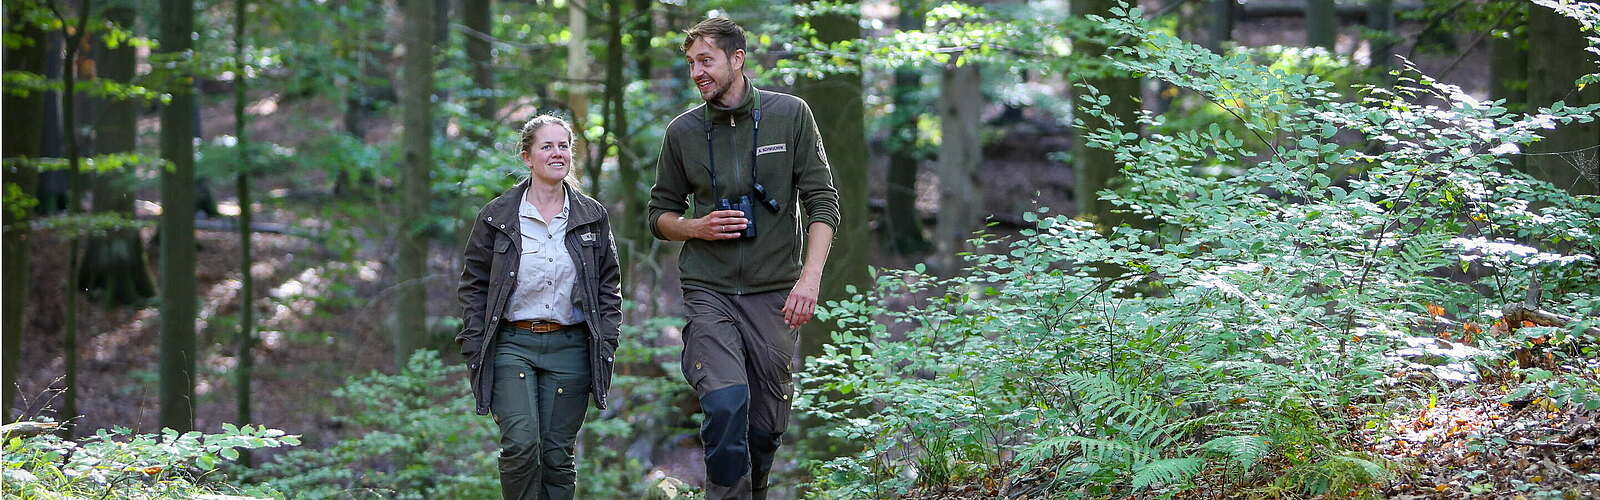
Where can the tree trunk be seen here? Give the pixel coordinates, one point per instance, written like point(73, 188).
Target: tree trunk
point(1380, 18)
point(1096, 168)
point(1322, 24)
point(902, 224)
point(415, 182)
point(1556, 58)
point(1219, 24)
point(69, 113)
point(52, 185)
point(247, 317)
point(1508, 65)
point(22, 139)
point(578, 83)
point(617, 131)
point(476, 16)
point(836, 103)
point(960, 153)
point(114, 269)
point(178, 300)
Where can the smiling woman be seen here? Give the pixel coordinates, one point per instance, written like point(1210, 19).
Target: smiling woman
point(541, 313)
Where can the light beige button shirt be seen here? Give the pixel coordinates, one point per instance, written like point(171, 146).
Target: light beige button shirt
point(545, 274)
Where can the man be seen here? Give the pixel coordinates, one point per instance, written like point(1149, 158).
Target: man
point(756, 170)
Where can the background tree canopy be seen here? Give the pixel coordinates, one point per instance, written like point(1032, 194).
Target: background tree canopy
point(1090, 249)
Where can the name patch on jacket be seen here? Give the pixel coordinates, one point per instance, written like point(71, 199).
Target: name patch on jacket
point(772, 148)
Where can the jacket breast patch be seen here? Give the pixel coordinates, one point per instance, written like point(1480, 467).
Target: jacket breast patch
point(772, 148)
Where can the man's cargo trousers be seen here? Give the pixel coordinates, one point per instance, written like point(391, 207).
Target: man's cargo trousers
point(738, 356)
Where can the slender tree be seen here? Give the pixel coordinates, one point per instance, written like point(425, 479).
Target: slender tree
point(178, 299)
point(616, 131)
point(479, 23)
point(74, 31)
point(837, 105)
point(1380, 19)
point(1322, 24)
point(902, 225)
point(247, 317)
point(960, 153)
point(1219, 24)
point(22, 140)
point(1556, 49)
point(415, 183)
point(1097, 168)
point(578, 80)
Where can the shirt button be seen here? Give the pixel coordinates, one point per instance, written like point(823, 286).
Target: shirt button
point(513, 273)
point(560, 390)
point(521, 375)
point(608, 359)
point(496, 318)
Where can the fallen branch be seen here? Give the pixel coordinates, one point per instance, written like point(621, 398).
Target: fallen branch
point(1515, 314)
point(27, 429)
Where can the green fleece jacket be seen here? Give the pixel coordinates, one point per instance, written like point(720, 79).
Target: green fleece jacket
point(790, 163)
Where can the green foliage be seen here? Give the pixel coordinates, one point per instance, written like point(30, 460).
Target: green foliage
point(418, 438)
point(116, 461)
point(1251, 313)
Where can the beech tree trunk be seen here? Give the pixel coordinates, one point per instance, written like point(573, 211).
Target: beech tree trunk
point(960, 153)
point(178, 299)
point(1322, 24)
point(415, 181)
point(22, 116)
point(114, 268)
point(901, 223)
point(836, 103)
point(1556, 58)
point(1096, 168)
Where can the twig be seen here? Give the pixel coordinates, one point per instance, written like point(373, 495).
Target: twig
point(1538, 444)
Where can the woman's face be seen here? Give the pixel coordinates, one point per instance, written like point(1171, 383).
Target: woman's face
point(549, 155)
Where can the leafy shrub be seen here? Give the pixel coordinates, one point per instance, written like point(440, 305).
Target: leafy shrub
point(1247, 320)
point(419, 438)
point(116, 461)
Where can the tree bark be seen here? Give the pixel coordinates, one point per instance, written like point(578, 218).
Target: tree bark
point(415, 181)
point(178, 299)
point(1096, 168)
point(247, 317)
point(1556, 58)
point(1322, 24)
point(836, 103)
point(902, 224)
point(960, 153)
point(114, 269)
point(69, 112)
point(1380, 18)
point(22, 139)
point(477, 17)
point(578, 83)
point(1219, 24)
point(617, 134)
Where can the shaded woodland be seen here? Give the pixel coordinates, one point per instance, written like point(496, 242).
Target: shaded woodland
point(1184, 248)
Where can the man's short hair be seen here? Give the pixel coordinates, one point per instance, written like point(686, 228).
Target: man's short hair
point(727, 35)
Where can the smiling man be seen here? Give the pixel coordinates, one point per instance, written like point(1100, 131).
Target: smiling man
point(752, 165)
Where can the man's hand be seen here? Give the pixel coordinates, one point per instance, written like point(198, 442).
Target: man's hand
point(802, 302)
point(718, 225)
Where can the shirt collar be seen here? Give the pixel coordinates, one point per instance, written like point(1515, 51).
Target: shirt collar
point(526, 209)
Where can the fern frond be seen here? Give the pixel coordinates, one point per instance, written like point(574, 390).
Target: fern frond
point(1167, 471)
point(1243, 451)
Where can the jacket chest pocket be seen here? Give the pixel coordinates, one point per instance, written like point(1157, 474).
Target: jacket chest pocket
point(501, 268)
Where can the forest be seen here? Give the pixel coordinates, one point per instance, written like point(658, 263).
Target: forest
point(1084, 248)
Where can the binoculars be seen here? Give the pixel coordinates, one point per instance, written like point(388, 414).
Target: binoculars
point(743, 204)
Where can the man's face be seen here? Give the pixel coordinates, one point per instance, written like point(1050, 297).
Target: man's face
point(712, 71)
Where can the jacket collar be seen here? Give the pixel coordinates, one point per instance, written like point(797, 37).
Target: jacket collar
point(502, 211)
point(752, 99)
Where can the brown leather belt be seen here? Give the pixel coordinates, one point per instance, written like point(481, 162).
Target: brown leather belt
point(536, 326)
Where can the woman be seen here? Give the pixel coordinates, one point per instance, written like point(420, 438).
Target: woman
point(541, 314)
